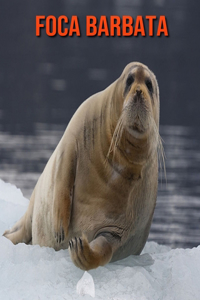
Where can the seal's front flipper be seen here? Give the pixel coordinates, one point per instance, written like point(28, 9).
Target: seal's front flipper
point(88, 256)
point(63, 185)
point(61, 213)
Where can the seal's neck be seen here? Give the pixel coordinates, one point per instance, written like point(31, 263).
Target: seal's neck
point(136, 149)
point(123, 148)
point(132, 153)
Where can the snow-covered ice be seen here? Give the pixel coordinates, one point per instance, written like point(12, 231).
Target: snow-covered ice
point(32, 272)
point(85, 286)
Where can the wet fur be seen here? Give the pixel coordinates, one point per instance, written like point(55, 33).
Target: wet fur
point(98, 191)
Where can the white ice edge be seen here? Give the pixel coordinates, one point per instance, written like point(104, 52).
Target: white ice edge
point(33, 272)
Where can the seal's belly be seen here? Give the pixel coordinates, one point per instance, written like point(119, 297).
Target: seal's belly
point(90, 216)
point(100, 200)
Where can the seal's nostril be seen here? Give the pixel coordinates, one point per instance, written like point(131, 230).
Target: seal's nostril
point(138, 91)
point(138, 95)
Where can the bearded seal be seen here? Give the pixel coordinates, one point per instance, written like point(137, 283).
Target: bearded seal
point(97, 193)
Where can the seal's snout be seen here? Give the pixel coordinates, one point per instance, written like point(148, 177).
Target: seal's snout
point(138, 95)
point(138, 91)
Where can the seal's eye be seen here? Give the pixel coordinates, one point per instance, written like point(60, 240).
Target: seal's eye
point(129, 80)
point(149, 85)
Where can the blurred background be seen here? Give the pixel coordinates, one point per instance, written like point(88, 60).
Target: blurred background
point(44, 79)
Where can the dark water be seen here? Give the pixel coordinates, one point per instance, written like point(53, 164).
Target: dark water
point(43, 79)
point(177, 215)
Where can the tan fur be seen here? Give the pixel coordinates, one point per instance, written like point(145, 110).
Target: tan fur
point(98, 190)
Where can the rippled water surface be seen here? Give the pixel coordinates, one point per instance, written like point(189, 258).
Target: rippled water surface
point(177, 216)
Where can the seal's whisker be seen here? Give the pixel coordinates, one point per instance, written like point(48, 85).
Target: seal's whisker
point(161, 156)
point(115, 138)
point(118, 135)
point(160, 150)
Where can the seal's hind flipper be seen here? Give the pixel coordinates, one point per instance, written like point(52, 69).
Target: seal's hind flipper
point(20, 232)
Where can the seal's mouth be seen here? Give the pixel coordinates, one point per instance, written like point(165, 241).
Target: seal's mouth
point(137, 122)
point(136, 129)
point(137, 126)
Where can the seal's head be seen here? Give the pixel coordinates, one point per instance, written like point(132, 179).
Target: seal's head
point(137, 108)
point(141, 100)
